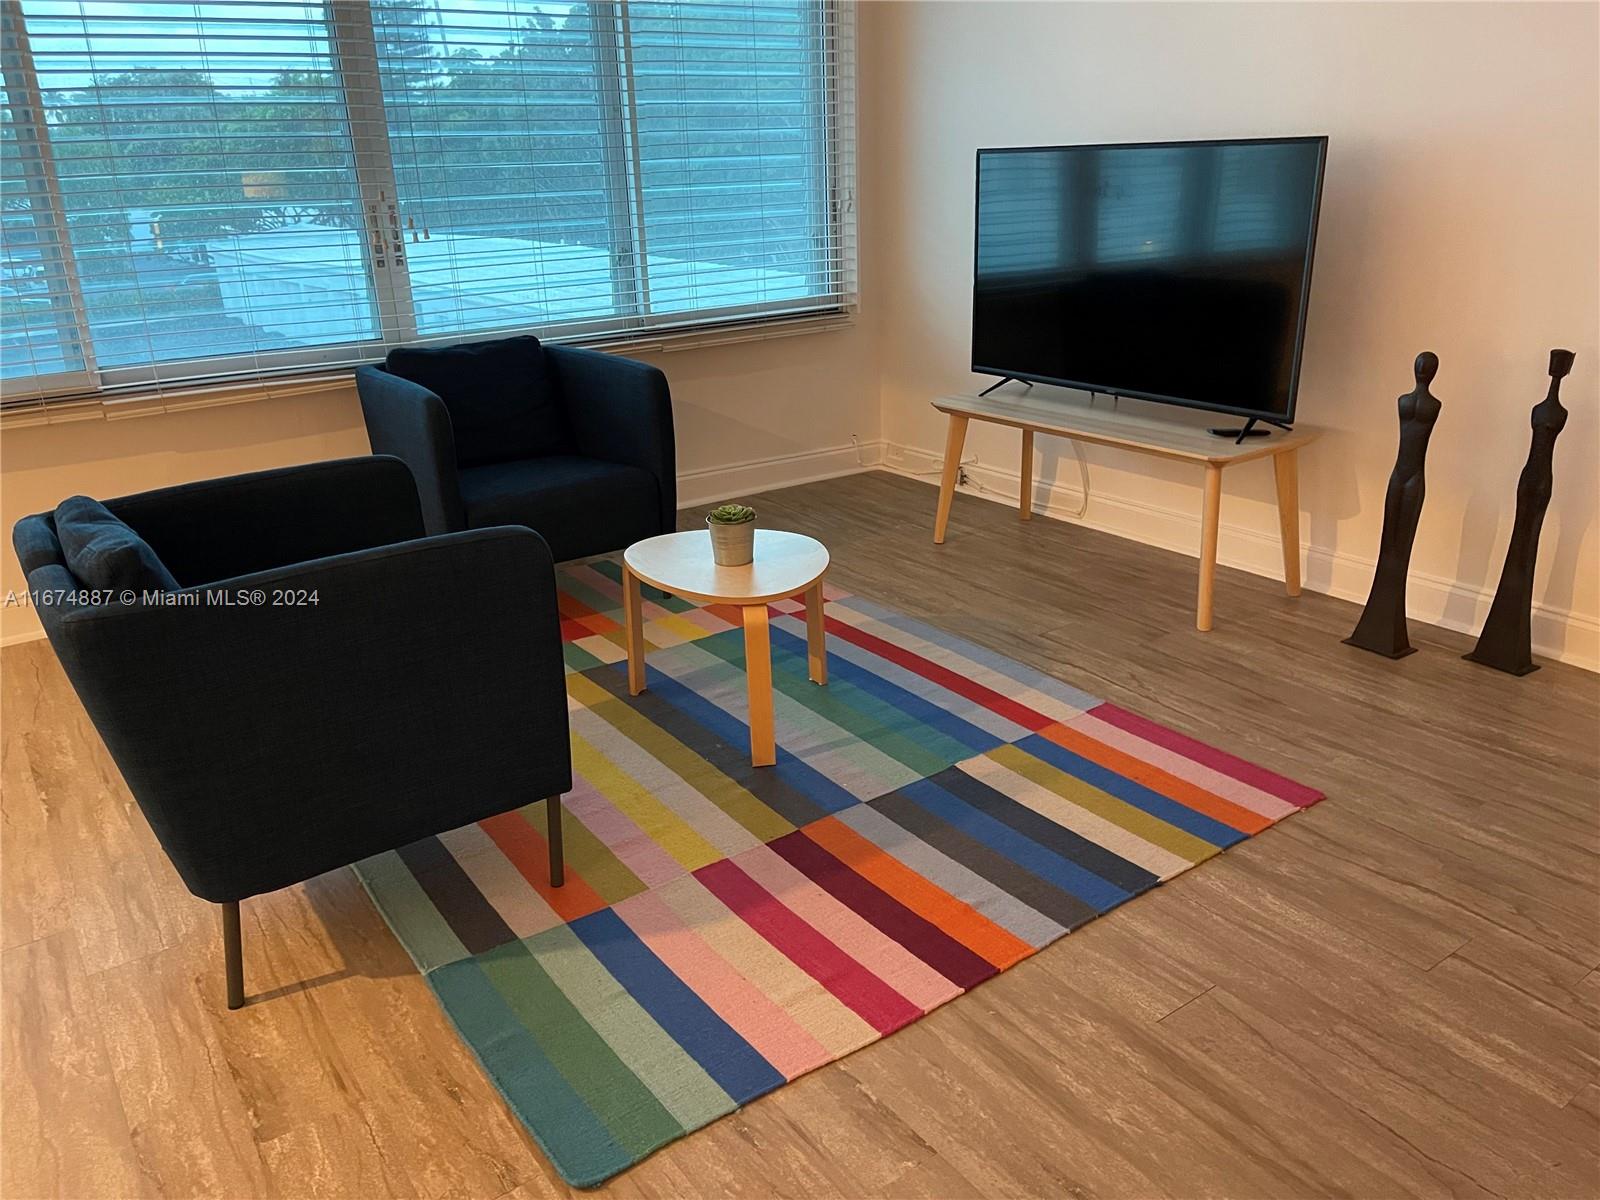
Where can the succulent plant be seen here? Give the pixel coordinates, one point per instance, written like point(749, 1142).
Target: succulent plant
point(731, 514)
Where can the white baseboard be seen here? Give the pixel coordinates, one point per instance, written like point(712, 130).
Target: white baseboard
point(711, 485)
point(1560, 634)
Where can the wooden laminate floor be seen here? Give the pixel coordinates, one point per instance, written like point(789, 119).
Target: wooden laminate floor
point(1393, 994)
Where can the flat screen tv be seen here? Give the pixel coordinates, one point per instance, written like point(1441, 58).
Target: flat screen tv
point(1172, 271)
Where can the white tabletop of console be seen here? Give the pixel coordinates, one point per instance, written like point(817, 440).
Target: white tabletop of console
point(1135, 426)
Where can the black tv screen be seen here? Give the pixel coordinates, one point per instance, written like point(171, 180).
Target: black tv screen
point(1176, 271)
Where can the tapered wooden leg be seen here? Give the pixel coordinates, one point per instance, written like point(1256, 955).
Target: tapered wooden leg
point(1208, 546)
point(758, 672)
point(232, 953)
point(1025, 501)
point(816, 634)
point(1286, 469)
point(552, 816)
point(633, 623)
point(954, 441)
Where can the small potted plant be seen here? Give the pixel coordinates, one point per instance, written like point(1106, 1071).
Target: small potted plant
point(733, 534)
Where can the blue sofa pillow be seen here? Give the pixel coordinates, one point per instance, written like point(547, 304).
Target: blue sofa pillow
point(104, 553)
point(501, 396)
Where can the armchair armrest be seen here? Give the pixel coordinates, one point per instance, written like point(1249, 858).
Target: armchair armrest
point(620, 410)
point(408, 421)
point(268, 742)
point(219, 528)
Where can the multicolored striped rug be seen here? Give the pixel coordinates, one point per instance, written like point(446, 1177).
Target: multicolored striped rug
point(937, 814)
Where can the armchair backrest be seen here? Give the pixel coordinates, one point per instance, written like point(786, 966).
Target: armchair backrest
point(217, 529)
point(220, 528)
point(504, 402)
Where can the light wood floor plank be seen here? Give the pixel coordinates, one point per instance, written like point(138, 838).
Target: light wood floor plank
point(65, 1132)
point(1340, 1145)
point(186, 1118)
point(34, 901)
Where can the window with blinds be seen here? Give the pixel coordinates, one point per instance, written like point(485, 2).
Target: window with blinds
point(198, 191)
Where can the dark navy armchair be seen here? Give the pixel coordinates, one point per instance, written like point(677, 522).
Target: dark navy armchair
point(572, 443)
point(326, 684)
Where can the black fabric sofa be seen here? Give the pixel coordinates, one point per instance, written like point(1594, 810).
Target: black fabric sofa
point(572, 443)
point(326, 683)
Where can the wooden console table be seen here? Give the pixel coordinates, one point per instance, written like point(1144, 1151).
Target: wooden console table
point(1102, 425)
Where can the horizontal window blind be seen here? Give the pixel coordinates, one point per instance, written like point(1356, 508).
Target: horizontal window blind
point(40, 340)
point(501, 124)
point(730, 114)
point(204, 191)
point(186, 139)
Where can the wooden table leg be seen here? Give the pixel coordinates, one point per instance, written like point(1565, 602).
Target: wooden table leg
point(1210, 511)
point(1025, 501)
point(954, 441)
point(816, 634)
point(633, 623)
point(758, 674)
point(1286, 469)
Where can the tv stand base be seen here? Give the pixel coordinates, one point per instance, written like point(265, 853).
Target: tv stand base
point(1125, 431)
point(1249, 430)
point(1005, 380)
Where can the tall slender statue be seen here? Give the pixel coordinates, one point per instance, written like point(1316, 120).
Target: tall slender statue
point(1506, 643)
point(1382, 628)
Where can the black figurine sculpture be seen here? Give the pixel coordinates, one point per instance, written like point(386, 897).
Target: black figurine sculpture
point(1382, 628)
point(1506, 643)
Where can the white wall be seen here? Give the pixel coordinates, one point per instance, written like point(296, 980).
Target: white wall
point(1459, 216)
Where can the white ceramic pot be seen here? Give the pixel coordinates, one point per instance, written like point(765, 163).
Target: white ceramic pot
point(732, 545)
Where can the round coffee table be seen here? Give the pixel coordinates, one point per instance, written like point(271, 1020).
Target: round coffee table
point(786, 564)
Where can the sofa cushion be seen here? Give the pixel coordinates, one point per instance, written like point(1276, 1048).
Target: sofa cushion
point(103, 553)
point(501, 396)
point(580, 506)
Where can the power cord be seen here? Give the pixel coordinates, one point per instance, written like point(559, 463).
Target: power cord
point(964, 479)
point(939, 470)
point(1083, 483)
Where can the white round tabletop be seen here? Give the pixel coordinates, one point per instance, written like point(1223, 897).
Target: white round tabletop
point(681, 563)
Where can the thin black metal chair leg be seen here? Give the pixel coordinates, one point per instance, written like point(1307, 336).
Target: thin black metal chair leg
point(558, 871)
point(233, 953)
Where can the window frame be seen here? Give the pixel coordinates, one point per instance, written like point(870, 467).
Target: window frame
point(351, 31)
